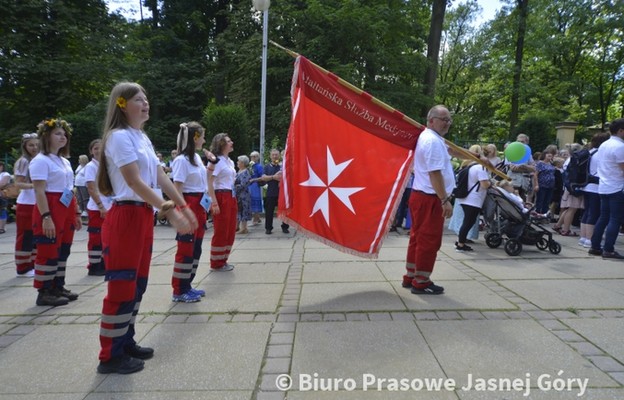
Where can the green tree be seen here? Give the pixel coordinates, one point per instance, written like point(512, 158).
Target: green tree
point(55, 58)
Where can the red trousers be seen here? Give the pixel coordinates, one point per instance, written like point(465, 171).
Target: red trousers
point(189, 248)
point(127, 238)
point(224, 225)
point(52, 254)
point(25, 249)
point(425, 236)
point(94, 245)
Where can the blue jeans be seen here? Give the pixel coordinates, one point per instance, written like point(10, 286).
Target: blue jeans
point(611, 217)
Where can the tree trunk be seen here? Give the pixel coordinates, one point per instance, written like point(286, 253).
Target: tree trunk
point(433, 50)
point(221, 24)
point(153, 6)
point(523, 11)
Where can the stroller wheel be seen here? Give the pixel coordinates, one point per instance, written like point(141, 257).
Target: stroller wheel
point(493, 240)
point(513, 247)
point(554, 247)
point(542, 244)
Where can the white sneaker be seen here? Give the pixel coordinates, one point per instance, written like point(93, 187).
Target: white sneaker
point(582, 241)
point(587, 243)
point(29, 274)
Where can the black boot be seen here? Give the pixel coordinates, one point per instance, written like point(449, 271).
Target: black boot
point(46, 297)
point(62, 292)
point(142, 353)
point(121, 365)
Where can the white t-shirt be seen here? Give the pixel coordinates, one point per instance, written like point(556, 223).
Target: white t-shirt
point(609, 155)
point(90, 173)
point(476, 197)
point(194, 178)
point(26, 196)
point(80, 176)
point(225, 174)
point(55, 170)
point(125, 146)
point(432, 154)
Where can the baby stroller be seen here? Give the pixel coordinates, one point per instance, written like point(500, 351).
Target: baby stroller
point(510, 224)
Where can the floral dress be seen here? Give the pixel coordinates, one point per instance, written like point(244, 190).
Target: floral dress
point(241, 185)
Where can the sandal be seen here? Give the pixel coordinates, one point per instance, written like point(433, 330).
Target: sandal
point(556, 228)
point(568, 233)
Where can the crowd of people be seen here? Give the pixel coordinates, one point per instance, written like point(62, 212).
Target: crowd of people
point(121, 188)
point(117, 193)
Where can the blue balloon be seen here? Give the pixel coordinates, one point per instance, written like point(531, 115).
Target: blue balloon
point(526, 158)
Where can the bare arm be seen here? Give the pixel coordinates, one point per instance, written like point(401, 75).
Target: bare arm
point(95, 195)
point(437, 181)
point(178, 186)
point(132, 176)
point(176, 195)
point(20, 182)
point(49, 230)
point(211, 191)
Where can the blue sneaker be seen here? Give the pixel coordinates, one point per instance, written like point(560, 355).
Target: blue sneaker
point(188, 297)
point(199, 292)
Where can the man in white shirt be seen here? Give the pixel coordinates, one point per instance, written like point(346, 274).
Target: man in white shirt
point(610, 160)
point(429, 203)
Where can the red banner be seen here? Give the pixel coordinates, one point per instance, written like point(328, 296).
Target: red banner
point(346, 163)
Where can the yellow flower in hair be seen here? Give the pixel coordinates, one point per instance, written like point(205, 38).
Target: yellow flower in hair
point(51, 122)
point(121, 102)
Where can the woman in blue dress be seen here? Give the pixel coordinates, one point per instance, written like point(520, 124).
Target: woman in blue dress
point(254, 189)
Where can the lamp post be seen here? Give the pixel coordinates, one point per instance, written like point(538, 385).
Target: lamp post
point(263, 5)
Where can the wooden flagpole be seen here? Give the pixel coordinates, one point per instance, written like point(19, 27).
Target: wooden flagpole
point(465, 153)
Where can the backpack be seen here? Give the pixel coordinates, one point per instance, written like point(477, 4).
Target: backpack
point(461, 190)
point(576, 176)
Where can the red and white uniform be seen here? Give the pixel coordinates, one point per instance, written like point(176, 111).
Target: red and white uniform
point(52, 254)
point(127, 238)
point(94, 245)
point(194, 179)
point(225, 222)
point(25, 249)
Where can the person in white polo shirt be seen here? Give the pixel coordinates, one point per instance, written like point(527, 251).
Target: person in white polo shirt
point(610, 159)
point(130, 173)
point(97, 206)
point(56, 215)
point(429, 203)
point(190, 178)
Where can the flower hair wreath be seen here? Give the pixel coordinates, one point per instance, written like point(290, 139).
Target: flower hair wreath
point(49, 124)
point(121, 102)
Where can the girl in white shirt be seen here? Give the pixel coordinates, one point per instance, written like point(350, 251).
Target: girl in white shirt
point(221, 177)
point(56, 216)
point(190, 178)
point(25, 249)
point(97, 207)
point(130, 172)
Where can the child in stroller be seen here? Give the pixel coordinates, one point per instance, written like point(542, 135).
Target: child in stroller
point(510, 221)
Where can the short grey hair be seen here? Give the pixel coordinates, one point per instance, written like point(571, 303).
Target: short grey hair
point(244, 159)
point(254, 154)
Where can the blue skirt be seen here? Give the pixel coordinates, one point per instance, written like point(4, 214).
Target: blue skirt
point(256, 197)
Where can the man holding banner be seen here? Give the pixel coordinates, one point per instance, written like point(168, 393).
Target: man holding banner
point(429, 203)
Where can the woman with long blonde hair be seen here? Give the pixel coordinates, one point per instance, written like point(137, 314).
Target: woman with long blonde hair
point(129, 172)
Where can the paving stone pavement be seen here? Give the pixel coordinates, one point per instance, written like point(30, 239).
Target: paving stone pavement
point(296, 314)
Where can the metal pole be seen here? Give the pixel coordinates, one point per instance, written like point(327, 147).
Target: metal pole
point(265, 25)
